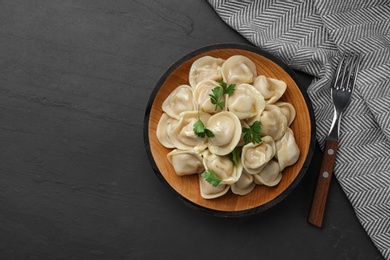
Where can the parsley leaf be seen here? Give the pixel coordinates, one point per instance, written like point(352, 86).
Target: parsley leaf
point(219, 92)
point(252, 134)
point(216, 97)
point(211, 177)
point(229, 90)
point(208, 132)
point(235, 155)
point(222, 83)
point(200, 129)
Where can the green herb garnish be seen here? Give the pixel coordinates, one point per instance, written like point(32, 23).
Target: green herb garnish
point(235, 155)
point(227, 90)
point(218, 93)
point(252, 134)
point(216, 97)
point(211, 177)
point(200, 129)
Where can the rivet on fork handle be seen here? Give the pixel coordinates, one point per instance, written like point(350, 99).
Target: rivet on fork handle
point(323, 183)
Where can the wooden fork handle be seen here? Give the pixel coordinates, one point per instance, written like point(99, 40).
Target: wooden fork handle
point(321, 192)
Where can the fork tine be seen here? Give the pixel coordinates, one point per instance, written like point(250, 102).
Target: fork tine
point(346, 71)
point(353, 72)
point(351, 66)
point(346, 66)
point(336, 77)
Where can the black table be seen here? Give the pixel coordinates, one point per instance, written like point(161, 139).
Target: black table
point(75, 77)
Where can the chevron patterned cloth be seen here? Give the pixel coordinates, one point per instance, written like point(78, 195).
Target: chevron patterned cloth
point(308, 36)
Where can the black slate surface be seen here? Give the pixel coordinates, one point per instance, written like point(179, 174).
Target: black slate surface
point(75, 78)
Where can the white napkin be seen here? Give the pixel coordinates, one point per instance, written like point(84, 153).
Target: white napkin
point(308, 35)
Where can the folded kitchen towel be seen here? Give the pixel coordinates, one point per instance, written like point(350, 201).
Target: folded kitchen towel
point(309, 36)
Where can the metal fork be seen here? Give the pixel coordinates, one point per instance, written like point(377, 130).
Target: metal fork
point(341, 90)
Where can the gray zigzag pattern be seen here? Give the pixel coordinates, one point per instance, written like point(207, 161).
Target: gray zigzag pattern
point(335, 6)
point(307, 35)
point(276, 30)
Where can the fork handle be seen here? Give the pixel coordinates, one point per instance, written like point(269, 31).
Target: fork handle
point(321, 193)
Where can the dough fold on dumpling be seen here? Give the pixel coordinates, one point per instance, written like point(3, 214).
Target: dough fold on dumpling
point(186, 162)
point(204, 68)
point(245, 102)
point(180, 100)
point(202, 94)
point(254, 157)
point(273, 122)
point(287, 110)
point(270, 175)
point(271, 89)
point(223, 167)
point(164, 129)
point(226, 128)
point(244, 185)
point(208, 191)
point(183, 136)
point(287, 150)
point(238, 69)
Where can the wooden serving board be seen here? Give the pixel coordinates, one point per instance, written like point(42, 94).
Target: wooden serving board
point(261, 197)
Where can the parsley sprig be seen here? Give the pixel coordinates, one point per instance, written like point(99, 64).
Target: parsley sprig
point(216, 97)
point(211, 177)
point(235, 155)
point(227, 89)
point(252, 134)
point(200, 129)
point(218, 92)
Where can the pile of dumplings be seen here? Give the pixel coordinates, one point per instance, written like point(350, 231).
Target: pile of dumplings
point(256, 98)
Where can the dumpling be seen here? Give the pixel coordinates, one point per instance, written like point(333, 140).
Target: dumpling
point(223, 167)
point(226, 128)
point(245, 102)
point(244, 185)
point(255, 157)
point(202, 99)
point(287, 150)
point(208, 191)
point(238, 69)
point(206, 67)
point(183, 136)
point(271, 89)
point(186, 162)
point(270, 176)
point(178, 101)
point(273, 122)
point(287, 110)
point(164, 128)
